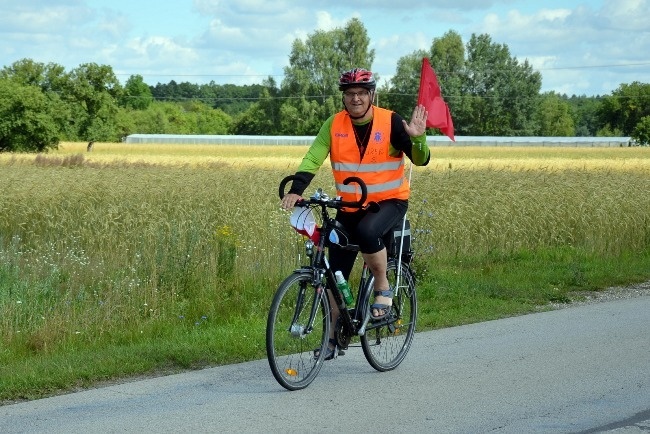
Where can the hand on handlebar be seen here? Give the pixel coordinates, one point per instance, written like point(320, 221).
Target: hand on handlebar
point(289, 200)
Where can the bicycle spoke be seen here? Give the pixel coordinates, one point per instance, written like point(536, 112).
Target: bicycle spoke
point(387, 342)
point(290, 343)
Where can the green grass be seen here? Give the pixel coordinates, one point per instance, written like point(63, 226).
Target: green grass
point(466, 290)
point(153, 260)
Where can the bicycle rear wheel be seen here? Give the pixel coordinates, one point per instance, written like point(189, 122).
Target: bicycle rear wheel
point(386, 342)
point(290, 343)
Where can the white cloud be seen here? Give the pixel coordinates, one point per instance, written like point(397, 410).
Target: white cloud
point(325, 21)
point(412, 7)
point(626, 15)
point(545, 28)
point(583, 41)
point(219, 31)
point(24, 18)
point(113, 24)
point(247, 40)
point(158, 48)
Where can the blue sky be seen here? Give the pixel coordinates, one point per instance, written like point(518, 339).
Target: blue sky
point(580, 47)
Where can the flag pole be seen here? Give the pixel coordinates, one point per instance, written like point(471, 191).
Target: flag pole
point(401, 238)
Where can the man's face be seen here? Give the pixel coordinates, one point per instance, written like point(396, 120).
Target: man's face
point(356, 100)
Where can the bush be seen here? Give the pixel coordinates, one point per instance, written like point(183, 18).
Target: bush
point(26, 119)
point(641, 133)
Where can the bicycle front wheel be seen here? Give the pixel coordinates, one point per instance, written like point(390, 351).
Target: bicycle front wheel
point(386, 342)
point(298, 324)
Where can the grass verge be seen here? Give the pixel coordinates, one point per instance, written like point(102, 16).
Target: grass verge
point(140, 261)
point(450, 293)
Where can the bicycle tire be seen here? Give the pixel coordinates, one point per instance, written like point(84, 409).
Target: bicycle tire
point(386, 345)
point(291, 355)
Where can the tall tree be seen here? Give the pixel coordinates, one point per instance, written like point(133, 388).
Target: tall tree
point(553, 116)
point(26, 118)
point(402, 95)
point(52, 80)
point(499, 93)
point(448, 60)
point(584, 110)
point(625, 107)
point(488, 91)
point(50, 77)
point(641, 133)
point(264, 116)
point(314, 69)
point(206, 120)
point(316, 64)
point(137, 94)
point(95, 90)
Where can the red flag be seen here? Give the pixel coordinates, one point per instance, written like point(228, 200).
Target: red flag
point(430, 97)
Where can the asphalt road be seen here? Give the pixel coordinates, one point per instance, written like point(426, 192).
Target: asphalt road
point(576, 370)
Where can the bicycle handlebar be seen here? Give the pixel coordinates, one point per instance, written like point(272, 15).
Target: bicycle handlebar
point(335, 203)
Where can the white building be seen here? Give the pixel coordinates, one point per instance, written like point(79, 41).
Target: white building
point(431, 140)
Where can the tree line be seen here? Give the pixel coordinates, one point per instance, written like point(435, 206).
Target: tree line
point(489, 93)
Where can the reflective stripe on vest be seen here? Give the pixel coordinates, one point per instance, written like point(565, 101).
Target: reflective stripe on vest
point(372, 167)
point(375, 188)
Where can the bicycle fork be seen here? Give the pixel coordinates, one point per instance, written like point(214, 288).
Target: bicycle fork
point(363, 300)
point(296, 329)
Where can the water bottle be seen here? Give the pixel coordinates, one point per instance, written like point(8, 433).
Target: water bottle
point(344, 287)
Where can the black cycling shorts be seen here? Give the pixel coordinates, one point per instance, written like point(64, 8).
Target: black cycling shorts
point(367, 229)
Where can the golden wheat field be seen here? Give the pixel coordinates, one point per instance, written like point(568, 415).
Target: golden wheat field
point(156, 229)
point(505, 158)
point(467, 198)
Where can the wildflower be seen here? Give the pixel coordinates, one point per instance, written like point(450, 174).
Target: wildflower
point(224, 231)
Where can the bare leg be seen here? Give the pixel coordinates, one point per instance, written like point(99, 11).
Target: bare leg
point(377, 262)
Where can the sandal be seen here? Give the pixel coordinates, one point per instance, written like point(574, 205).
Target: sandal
point(330, 353)
point(380, 306)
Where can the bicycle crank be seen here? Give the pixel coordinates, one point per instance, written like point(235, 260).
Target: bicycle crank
point(343, 336)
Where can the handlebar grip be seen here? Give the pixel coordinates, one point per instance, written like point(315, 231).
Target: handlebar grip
point(284, 183)
point(356, 180)
point(364, 192)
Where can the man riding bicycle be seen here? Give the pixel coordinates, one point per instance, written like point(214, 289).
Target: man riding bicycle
point(369, 142)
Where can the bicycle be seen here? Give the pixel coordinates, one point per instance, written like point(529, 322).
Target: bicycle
point(298, 325)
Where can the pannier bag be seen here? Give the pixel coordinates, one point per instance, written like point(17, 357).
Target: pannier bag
point(397, 238)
